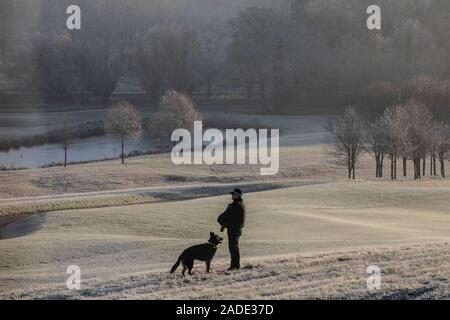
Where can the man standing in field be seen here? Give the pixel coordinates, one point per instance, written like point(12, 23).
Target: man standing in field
point(234, 219)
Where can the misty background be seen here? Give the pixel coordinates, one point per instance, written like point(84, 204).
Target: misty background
point(304, 57)
point(287, 54)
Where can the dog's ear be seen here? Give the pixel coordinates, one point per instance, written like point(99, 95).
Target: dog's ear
point(211, 234)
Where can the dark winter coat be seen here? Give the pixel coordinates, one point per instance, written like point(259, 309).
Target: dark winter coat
point(234, 216)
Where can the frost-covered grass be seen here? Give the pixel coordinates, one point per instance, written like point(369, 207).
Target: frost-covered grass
point(114, 244)
point(407, 272)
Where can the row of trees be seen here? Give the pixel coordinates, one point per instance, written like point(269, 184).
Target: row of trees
point(123, 121)
point(129, 41)
point(374, 98)
point(283, 53)
point(403, 132)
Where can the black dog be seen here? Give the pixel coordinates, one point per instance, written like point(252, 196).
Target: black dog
point(203, 252)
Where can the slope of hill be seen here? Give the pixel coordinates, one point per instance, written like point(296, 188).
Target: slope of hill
point(117, 243)
point(407, 272)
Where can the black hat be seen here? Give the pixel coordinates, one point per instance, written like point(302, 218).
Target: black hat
point(237, 190)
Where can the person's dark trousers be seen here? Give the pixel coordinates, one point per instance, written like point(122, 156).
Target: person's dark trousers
point(233, 245)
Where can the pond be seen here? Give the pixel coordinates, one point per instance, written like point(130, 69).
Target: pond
point(96, 148)
point(38, 120)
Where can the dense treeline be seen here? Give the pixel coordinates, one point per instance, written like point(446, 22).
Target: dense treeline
point(287, 55)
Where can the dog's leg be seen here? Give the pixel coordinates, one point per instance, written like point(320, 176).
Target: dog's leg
point(208, 265)
point(190, 265)
point(184, 269)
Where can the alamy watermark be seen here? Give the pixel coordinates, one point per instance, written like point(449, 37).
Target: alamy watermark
point(73, 21)
point(374, 278)
point(74, 280)
point(374, 20)
point(236, 146)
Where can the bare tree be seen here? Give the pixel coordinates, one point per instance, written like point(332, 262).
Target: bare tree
point(175, 111)
point(242, 69)
point(65, 137)
point(212, 40)
point(280, 91)
point(435, 140)
point(55, 65)
point(376, 142)
point(345, 139)
point(99, 72)
point(149, 65)
point(394, 118)
point(254, 28)
point(398, 120)
point(5, 28)
point(123, 121)
point(442, 144)
point(420, 123)
point(170, 59)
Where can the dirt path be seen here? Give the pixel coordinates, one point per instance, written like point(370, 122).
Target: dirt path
point(186, 190)
point(129, 197)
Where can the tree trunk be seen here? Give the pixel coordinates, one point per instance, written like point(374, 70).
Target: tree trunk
point(377, 169)
point(381, 166)
point(431, 166)
point(353, 167)
point(424, 166)
point(395, 167)
point(65, 157)
point(404, 167)
point(392, 168)
point(349, 164)
point(434, 165)
point(419, 176)
point(417, 171)
point(123, 153)
point(441, 160)
point(262, 92)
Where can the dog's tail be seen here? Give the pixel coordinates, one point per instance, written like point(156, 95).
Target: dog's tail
point(175, 266)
